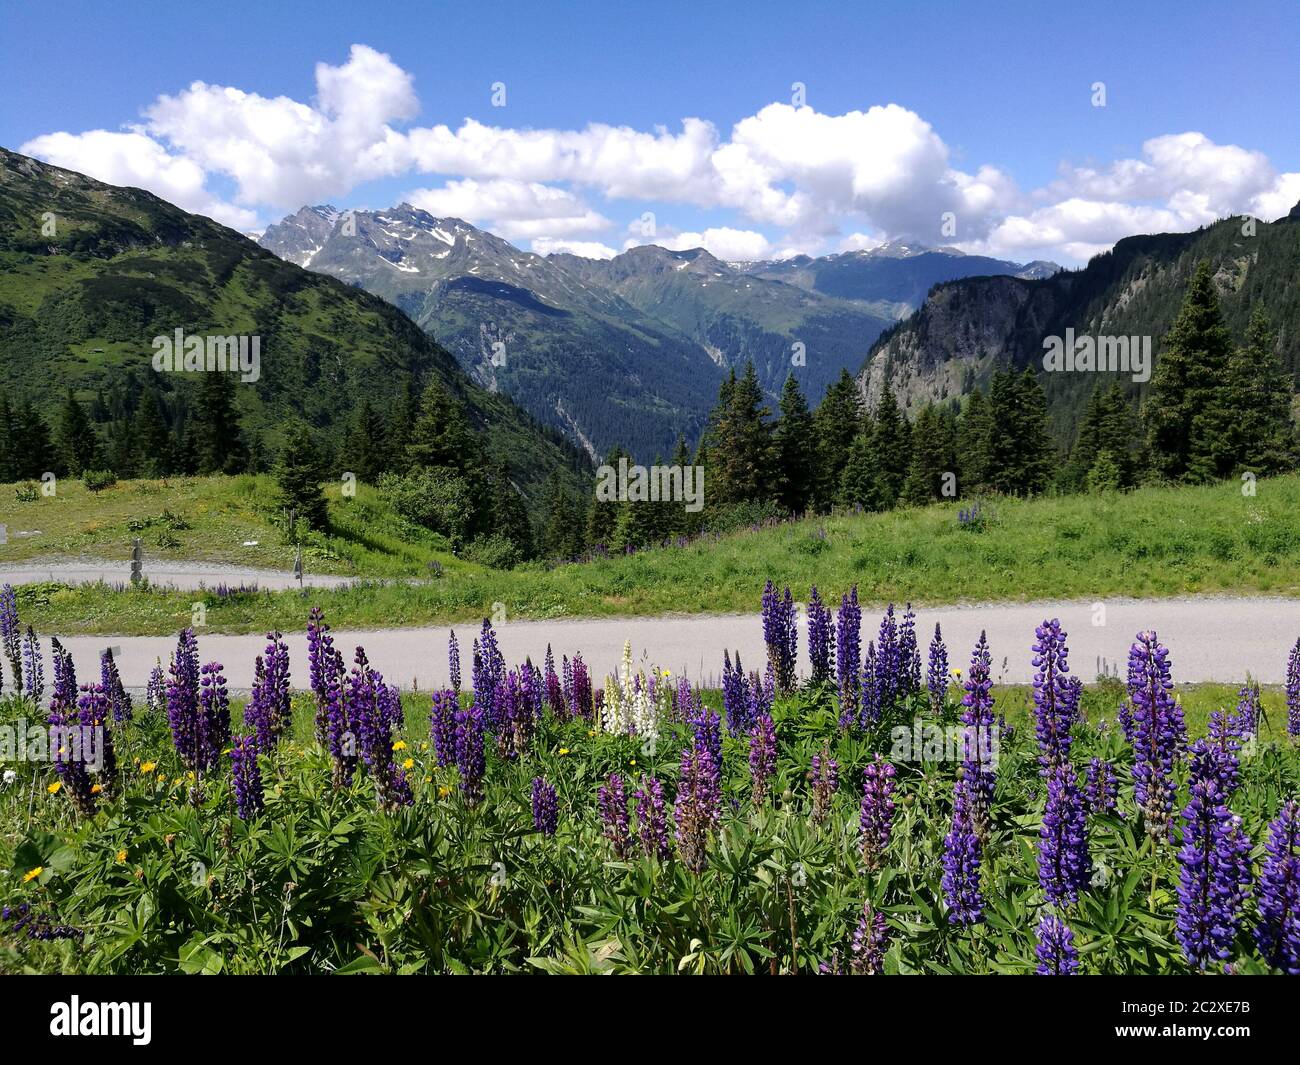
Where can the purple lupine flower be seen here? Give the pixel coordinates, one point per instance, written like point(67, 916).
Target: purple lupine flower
point(653, 828)
point(762, 757)
point(11, 633)
point(37, 925)
point(489, 671)
point(1278, 933)
point(848, 655)
point(183, 701)
point(453, 662)
point(1073, 705)
point(978, 741)
point(889, 681)
point(962, 855)
point(546, 808)
point(936, 678)
point(737, 699)
point(247, 777)
point(583, 702)
point(1102, 788)
point(368, 703)
point(699, 797)
point(869, 707)
point(85, 742)
point(825, 777)
point(1158, 734)
point(611, 799)
point(155, 692)
point(870, 941)
point(1055, 950)
point(33, 668)
point(555, 698)
point(213, 717)
point(340, 729)
point(1223, 742)
point(390, 707)
point(111, 681)
point(65, 673)
point(515, 716)
point(1293, 691)
point(1053, 712)
point(876, 820)
point(1249, 711)
point(1214, 861)
point(819, 638)
point(442, 726)
point(320, 660)
point(781, 635)
point(909, 654)
point(1064, 861)
point(707, 728)
point(471, 760)
point(267, 711)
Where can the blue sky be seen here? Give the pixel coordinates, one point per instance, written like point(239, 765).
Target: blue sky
point(992, 119)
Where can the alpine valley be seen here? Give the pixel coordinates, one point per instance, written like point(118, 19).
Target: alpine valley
point(629, 350)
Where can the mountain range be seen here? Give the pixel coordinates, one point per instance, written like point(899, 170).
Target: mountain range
point(967, 329)
point(90, 273)
point(628, 350)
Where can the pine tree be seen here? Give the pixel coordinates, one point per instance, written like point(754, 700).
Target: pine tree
point(1036, 454)
point(859, 485)
point(8, 435)
point(603, 516)
point(34, 453)
point(795, 446)
point(152, 440)
point(1259, 398)
point(891, 442)
point(507, 513)
point(401, 426)
point(441, 435)
point(836, 424)
point(218, 442)
point(932, 457)
point(974, 446)
point(1109, 426)
point(1184, 410)
point(299, 474)
point(78, 447)
point(365, 447)
point(740, 452)
point(561, 532)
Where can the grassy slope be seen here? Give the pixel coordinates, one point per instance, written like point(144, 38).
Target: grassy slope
point(80, 309)
point(1154, 542)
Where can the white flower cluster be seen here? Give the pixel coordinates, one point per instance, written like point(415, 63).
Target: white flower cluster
point(628, 708)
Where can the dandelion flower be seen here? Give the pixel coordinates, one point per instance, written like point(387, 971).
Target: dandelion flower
point(443, 791)
point(408, 763)
point(32, 874)
point(53, 789)
point(95, 789)
point(148, 767)
point(121, 856)
point(400, 745)
point(563, 751)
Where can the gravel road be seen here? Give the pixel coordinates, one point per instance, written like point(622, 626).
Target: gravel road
point(1210, 639)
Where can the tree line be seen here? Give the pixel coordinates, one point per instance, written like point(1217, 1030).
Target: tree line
point(1213, 410)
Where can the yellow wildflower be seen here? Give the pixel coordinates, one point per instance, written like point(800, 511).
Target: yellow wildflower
point(32, 874)
point(400, 745)
point(95, 789)
point(121, 856)
point(148, 767)
point(443, 791)
point(408, 763)
point(53, 789)
point(162, 778)
point(563, 751)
